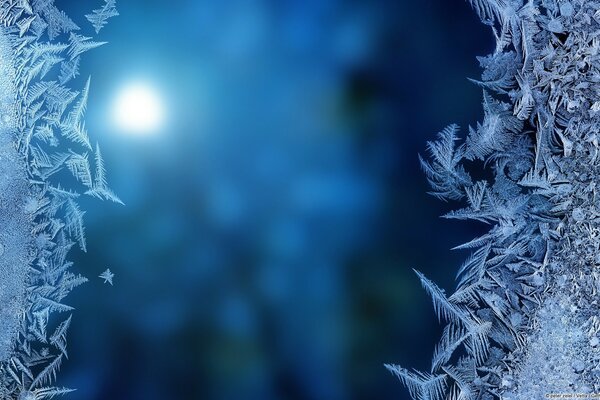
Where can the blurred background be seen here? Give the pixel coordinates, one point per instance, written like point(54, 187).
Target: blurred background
point(274, 214)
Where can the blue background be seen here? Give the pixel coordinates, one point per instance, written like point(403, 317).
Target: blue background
point(271, 227)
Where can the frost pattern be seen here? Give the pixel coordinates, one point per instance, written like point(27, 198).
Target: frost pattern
point(100, 16)
point(524, 319)
point(107, 276)
point(42, 139)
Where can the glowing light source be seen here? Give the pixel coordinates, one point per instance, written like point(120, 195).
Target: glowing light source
point(138, 110)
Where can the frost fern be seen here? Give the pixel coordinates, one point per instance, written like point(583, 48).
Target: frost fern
point(42, 137)
point(524, 320)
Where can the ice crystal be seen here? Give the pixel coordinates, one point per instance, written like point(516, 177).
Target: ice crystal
point(524, 320)
point(42, 133)
point(99, 17)
point(107, 276)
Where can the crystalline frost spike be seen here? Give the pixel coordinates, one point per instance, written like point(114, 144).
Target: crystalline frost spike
point(41, 133)
point(524, 320)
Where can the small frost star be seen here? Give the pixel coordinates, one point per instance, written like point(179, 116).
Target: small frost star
point(107, 276)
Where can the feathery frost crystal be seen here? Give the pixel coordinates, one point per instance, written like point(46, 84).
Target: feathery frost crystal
point(42, 135)
point(524, 320)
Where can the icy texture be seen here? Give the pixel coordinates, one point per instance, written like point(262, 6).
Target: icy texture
point(524, 321)
point(15, 236)
point(41, 134)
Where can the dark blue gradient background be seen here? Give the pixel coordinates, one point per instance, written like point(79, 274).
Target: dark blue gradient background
point(271, 228)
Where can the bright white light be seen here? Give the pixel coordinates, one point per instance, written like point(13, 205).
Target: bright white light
point(138, 110)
